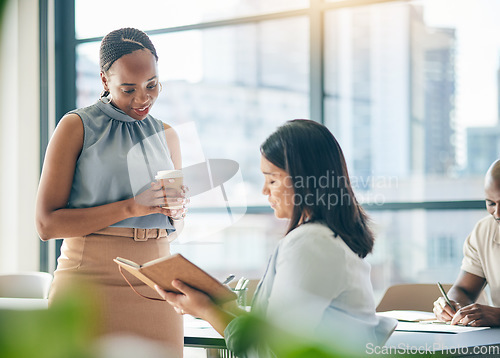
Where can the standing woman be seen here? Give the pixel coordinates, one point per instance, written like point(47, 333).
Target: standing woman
point(317, 282)
point(97, 159)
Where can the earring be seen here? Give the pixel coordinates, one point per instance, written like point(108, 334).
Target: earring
point(104, 98)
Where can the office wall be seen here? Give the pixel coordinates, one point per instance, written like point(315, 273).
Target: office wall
point(19, 135)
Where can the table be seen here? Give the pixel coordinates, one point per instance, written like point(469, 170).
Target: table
point(462, 344)
point(199, 334)
point(7, 303)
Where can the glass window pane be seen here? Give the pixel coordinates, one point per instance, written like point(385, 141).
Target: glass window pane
point(411, 94)
point(88, 80)
point(419, 245)
point(231, 83)
point(242, 249)
point(96, 18)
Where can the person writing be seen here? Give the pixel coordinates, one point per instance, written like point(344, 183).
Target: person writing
point(480, 266)
point(317, 278)
point(97, 190)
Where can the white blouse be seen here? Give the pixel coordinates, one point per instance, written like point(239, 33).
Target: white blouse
point(317, 288)
point(315, 284)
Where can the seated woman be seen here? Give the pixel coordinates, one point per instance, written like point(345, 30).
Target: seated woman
point(317, 281)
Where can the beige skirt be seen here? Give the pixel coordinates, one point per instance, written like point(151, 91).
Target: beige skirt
point(89, 259)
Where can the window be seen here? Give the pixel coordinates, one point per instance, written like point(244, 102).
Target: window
point(409, 88)
point(414, 105)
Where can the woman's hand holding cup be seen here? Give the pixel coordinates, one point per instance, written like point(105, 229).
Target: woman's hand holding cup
point(174, 193)
point(176, 203)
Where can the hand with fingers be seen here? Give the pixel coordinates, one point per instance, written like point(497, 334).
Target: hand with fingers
point(178, 201)
point(189, 300)
point(150, 201)
point(443, 311)
point(477, 315)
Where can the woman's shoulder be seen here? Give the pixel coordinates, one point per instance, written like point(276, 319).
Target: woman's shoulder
point(71, 121)
point(313, 242)
point(311, 233)
point(316, 227)
point(91, 116)
point(313, 237)
point(92, 109)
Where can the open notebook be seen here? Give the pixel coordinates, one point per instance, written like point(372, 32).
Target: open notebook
point(164, 270)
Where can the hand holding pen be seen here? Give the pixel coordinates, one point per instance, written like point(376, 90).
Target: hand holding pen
point(444, 308)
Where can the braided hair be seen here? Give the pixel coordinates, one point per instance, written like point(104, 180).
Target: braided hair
point(122, 42)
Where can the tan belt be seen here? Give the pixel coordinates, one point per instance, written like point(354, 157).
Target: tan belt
point(137, 234)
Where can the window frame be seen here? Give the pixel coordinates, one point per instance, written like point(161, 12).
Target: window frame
point(65, 81)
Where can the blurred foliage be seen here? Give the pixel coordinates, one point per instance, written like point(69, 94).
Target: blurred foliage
point(3, 4)
point(258, 332)
point(65, 330)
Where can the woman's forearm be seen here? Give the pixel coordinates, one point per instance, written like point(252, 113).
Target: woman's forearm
point(66, 222)
point(219, 319)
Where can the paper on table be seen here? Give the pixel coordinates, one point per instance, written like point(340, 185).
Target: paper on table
point(408, 316)
point(435, 327)
point(196, 322)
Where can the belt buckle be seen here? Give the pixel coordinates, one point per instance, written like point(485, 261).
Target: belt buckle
point(145, 233)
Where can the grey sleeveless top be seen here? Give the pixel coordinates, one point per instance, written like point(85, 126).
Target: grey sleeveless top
point(119, 159)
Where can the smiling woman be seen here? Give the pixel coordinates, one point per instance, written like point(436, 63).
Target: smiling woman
point(125, 83)
point(317, 283)
point(129, 72)
point(86, 194)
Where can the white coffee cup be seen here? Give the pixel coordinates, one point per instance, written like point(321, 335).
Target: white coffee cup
point(171, 179)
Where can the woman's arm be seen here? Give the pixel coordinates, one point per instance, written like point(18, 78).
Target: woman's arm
point(53, 219)
point(197, 304)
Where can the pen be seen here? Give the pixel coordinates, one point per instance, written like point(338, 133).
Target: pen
point(245, 284)
point(228, 279)
point(239, 284)
point(445, 296)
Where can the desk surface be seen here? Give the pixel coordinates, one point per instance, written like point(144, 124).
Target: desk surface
point(7, 303)
point(443, 342)
point(198, 333)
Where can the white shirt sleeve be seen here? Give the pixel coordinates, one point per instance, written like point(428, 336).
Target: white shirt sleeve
point(309, 275)
point(471, 261)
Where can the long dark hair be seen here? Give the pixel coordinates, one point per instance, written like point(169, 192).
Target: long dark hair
point(313, 159)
